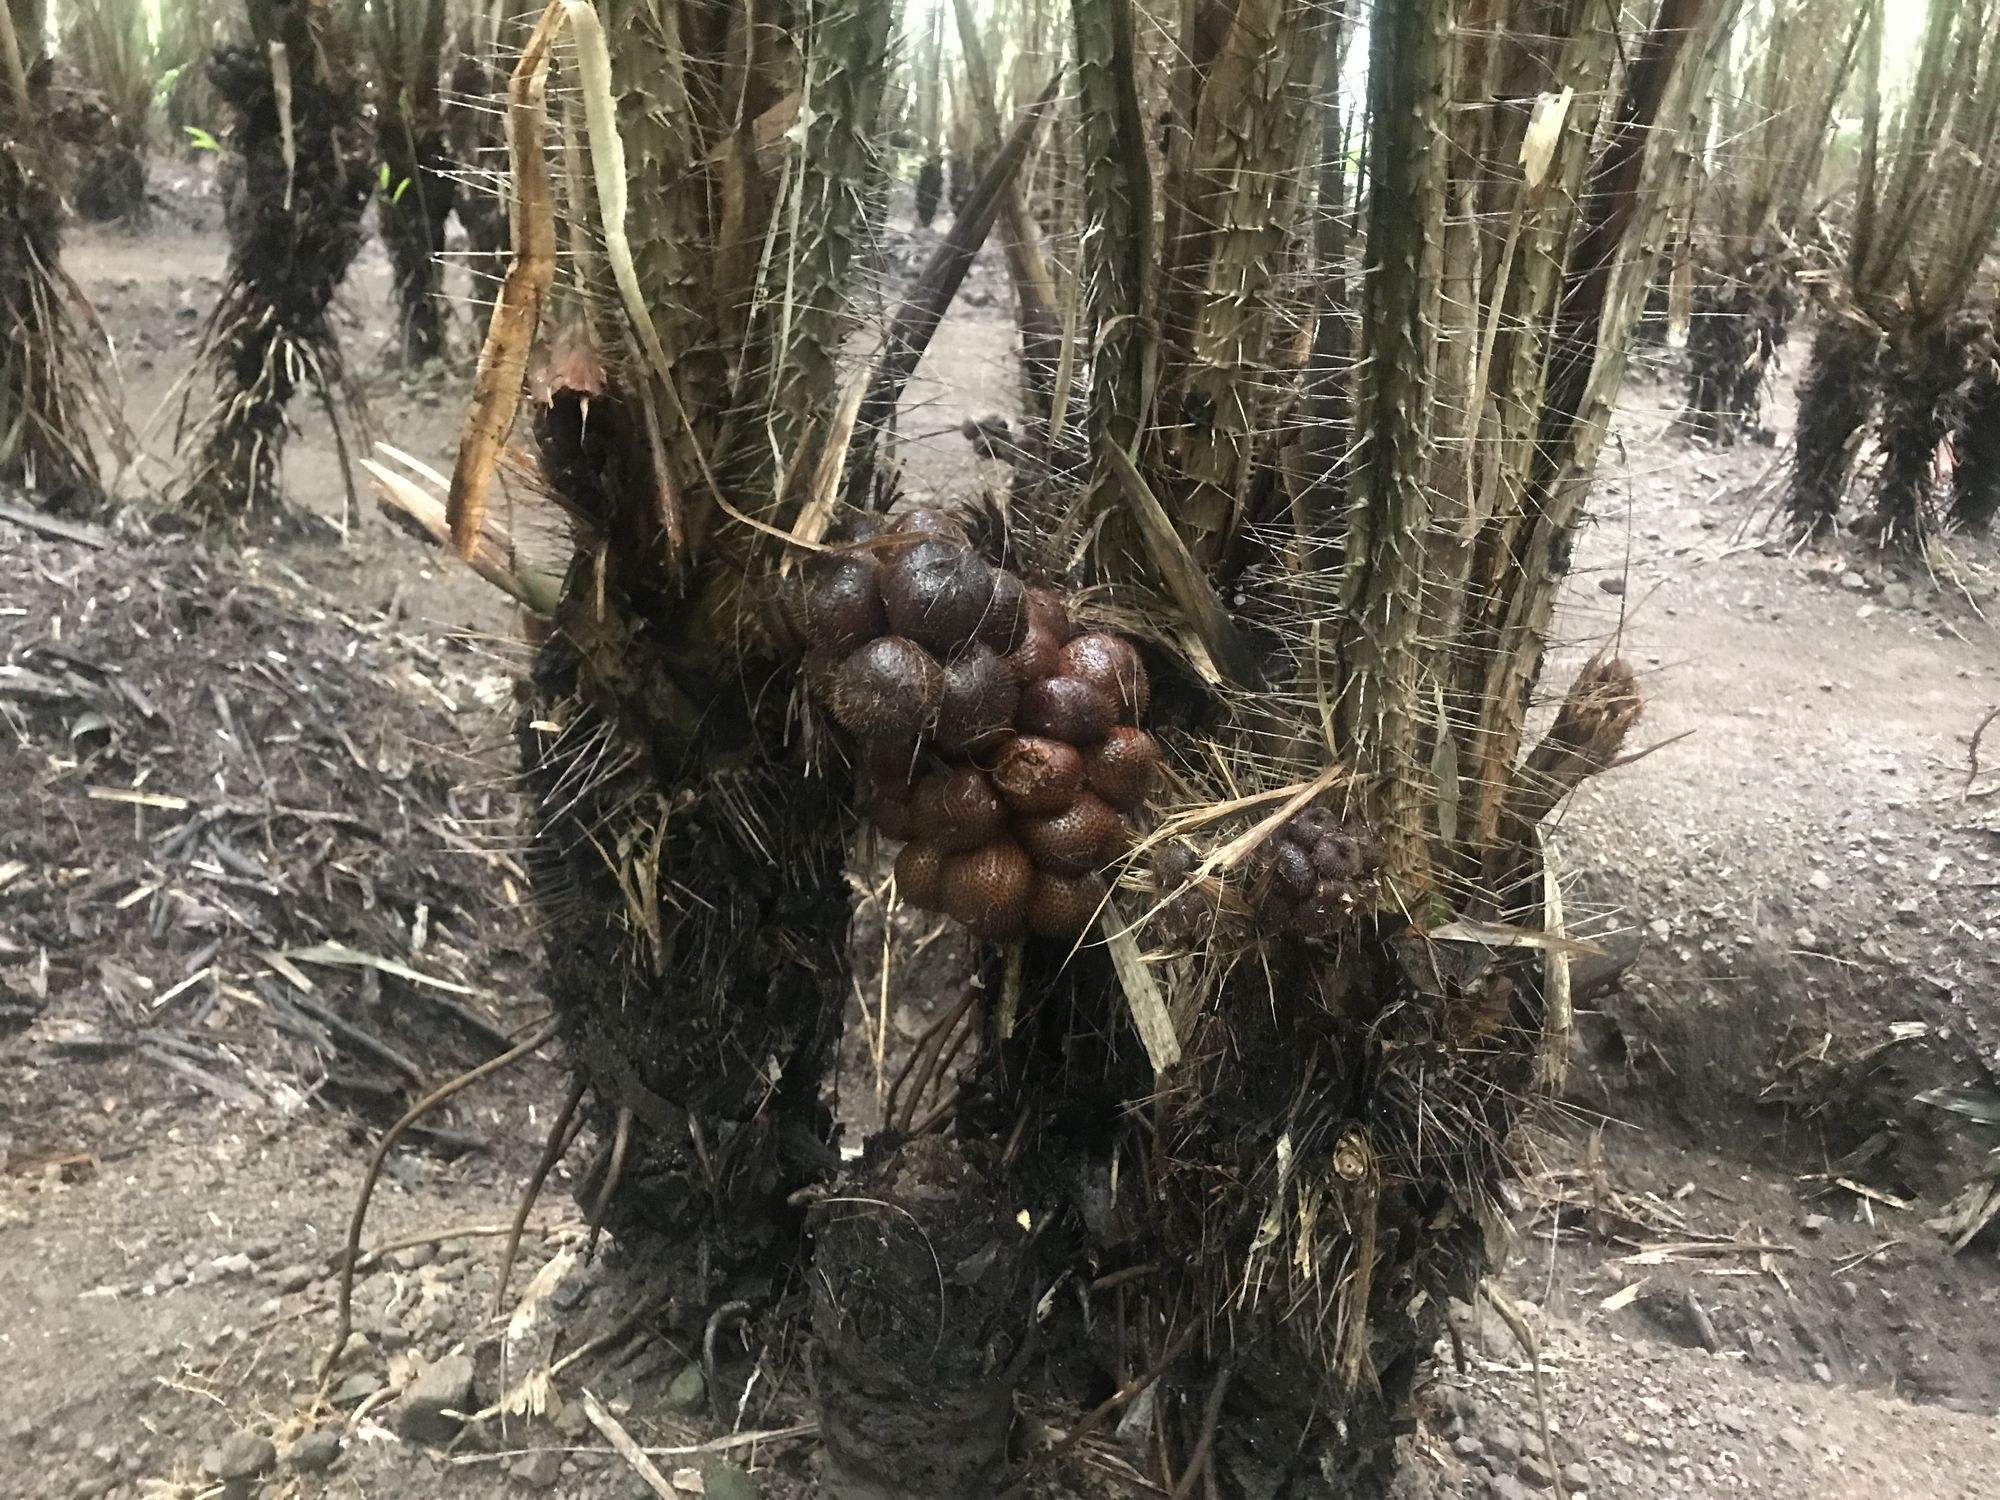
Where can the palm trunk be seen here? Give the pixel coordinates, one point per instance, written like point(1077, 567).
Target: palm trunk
point(415, 195)
point(46, 366)
point(294, 221)
point(1743, 307)
point(1835, 401)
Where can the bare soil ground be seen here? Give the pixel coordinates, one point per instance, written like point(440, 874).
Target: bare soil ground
point(256, 895)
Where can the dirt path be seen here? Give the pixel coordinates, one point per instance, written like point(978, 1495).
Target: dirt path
point(1799, 868)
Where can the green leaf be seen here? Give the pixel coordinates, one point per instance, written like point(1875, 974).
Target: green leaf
point(200, 139)
point(382, 178)
point(401, 188)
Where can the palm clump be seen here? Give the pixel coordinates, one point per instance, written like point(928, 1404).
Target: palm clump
point(1898, 361)
point(1217, 742)
point(1775, 114)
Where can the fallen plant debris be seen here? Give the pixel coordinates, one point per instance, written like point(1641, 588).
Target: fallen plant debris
point(253, 851)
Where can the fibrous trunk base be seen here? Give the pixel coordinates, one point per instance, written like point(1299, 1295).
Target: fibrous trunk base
point(1834, 404)
point(294, 225)
point(42, 388)
point(1742, 313)
point(921, 1323)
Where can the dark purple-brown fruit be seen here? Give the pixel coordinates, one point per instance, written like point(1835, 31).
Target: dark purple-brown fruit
point(1063, 906)
point(821, 669)
point(958, 809)
point(888, 689)
point(793, 624)
point(939, 595)
point(1329, 908)
point(1123, 769)
point(1293, 866)
point(1075, 841)
point(980, 696)
point(1336, 856)
point(1066, 708)
point(1311, 824)
point(920, 876)
point(890, 767)
point(986, 890)
point(1038, 775)
point(843, 603)
point(1048, 613)
point(892, 816)
point(1112, 665)
point(905, 529)
point(1005, 623)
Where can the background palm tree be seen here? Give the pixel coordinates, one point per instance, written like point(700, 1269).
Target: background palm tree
point(1893, 358)
point(50, 373)
point(302, 168)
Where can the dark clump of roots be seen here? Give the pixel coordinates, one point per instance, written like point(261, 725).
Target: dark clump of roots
point(930, 190)
point(1835, 401)
point(413, 211)
point(922, 1321)
point(46, 379)
point(1742, 313)
point(691, 881)
point(294, 228)
point(1920, 373)
point(1975, 439)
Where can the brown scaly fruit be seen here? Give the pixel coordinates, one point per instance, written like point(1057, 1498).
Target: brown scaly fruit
point(1066, 708)
point(1111, 665)
point(1076, 841)
point(920, 876)
point(1063, 906)
point(958, 809)
point(1122, 769)
point(889, 688)
point(1040, 652)
point(844, 603)
point(980, 696)
point(1038, 775)
point(942, 596)
point(986, 890)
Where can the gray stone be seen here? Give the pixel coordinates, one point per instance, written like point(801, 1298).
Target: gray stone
point(413, 1258)
point(688, 1392)
point(1854, 583)
point(22, 1430)
point(315, 1451)
point(1733, 1419)
point(723, 1481)
point(1504, 1441)
point(422, 1415)
point(295, 1278)
point(1506, 1487)
point(1897, 595)
point(1795, 1439)
point(247, 1455)
point(1815, 1223)
point(238, 1264)
point(571, 1421)
point(539, 1470)
point(1535, 1471)
point(1466, 1447)
point(1576, 1477)
point(357, 1388)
